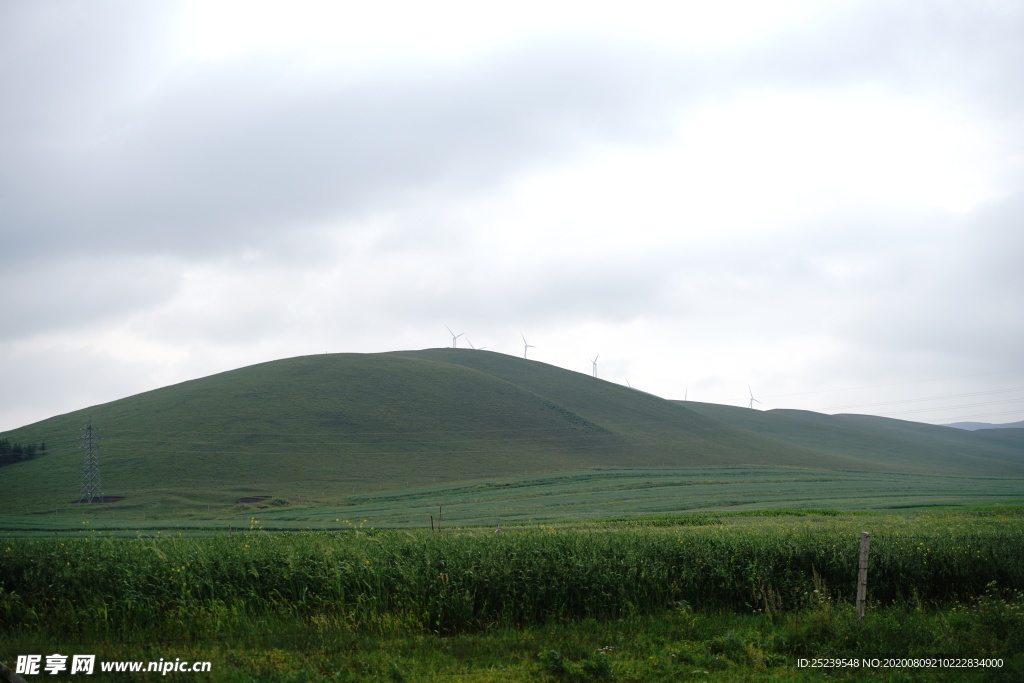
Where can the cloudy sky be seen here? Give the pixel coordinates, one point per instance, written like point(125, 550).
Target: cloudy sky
point(823, 201)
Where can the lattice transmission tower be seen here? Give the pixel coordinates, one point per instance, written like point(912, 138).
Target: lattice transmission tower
point(92, 488)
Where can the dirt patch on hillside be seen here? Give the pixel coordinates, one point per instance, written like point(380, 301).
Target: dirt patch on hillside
point(252, 499)
point(103, 499)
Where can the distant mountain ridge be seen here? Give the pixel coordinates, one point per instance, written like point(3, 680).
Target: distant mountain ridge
point(974, 426)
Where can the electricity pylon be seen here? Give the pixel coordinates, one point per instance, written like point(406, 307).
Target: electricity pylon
point(92, 488)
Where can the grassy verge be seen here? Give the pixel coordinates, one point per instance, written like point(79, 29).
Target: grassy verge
point(677, 644)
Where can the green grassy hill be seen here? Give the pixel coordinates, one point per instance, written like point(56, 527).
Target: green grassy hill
point(318, 429)
point(895, 443)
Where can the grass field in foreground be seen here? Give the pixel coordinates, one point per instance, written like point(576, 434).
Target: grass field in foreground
point(576, 496)
point(736, 599)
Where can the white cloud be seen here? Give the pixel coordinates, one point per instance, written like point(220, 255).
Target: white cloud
point(340, 35)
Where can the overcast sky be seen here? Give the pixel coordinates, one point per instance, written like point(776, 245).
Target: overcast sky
point(823, 201)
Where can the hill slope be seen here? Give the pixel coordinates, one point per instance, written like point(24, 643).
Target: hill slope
point(320, 428)
point(901, 444)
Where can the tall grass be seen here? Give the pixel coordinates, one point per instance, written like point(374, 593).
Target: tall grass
point(471, 580)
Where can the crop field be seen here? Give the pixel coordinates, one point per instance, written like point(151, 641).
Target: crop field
point(550, 498)
point(661, 598)
point(600, 494)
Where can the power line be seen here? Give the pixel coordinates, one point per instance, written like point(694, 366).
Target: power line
point(961, 418)
point(897, 384)
point(956, 407)
point(919, 400)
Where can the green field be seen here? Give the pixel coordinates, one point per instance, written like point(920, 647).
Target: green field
point(698, 597)
point(562, 497)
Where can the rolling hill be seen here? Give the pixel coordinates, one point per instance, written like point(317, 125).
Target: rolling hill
point(901, 445)
point(317, 429)
point(972, 426)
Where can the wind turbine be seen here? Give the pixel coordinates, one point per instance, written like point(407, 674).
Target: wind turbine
point(454, 336)
point(594, 361)
point(525, 344)
point(473, 347)
point(752, 399)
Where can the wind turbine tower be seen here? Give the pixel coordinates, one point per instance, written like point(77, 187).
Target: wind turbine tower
point(752, 399)
point(525, 344)
point(594, 362)
point(454, 336)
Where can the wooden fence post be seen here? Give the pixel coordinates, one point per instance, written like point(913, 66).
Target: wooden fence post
point(862, 575)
